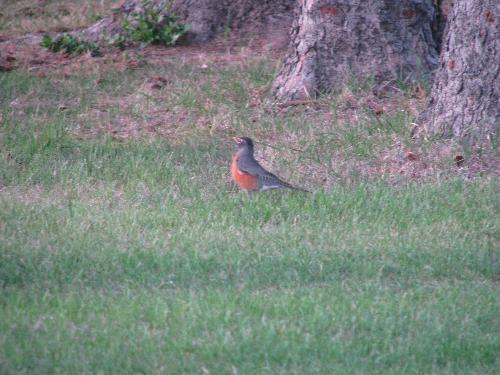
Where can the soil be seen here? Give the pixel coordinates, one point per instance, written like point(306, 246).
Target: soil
point(26, 53)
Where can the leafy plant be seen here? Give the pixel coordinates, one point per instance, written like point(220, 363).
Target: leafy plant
point(152, 25)
point(70, 44)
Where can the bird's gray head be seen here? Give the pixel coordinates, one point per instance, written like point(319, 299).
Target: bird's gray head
point(244, 143)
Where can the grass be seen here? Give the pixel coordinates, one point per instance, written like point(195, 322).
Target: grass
point(126, 249)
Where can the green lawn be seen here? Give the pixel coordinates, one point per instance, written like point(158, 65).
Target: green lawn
point(136, 255)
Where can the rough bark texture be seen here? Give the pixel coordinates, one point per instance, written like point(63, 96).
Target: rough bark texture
point(464, 97)
point(207, 18)
point(443, 9)
point(334, 40)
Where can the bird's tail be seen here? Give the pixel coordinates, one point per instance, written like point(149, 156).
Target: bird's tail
point(274, 182)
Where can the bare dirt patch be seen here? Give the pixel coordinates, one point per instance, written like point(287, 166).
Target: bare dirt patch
point(17, 54)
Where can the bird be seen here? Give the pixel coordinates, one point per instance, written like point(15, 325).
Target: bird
point(249, 175)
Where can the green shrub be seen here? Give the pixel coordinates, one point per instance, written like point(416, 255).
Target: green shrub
point(151, 26)
point(70, 44)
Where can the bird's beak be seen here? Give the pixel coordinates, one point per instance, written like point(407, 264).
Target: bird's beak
point(237, 140)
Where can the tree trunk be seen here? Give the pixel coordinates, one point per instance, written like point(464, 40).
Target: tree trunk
point(207, 18)
point(334, 40)
point(464, 97)
point(443, 10)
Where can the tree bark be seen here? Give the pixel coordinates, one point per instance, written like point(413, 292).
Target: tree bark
point(443, 10)
point(207, 18)
point(334, 40)
point(464, 97)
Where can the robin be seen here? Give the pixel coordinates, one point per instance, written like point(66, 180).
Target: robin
point(249, 175)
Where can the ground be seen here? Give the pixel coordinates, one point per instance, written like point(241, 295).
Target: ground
point(127, 249)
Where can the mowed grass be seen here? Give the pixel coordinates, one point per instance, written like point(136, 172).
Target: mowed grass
point(139, 256)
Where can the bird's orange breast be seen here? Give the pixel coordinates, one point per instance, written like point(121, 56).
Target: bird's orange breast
point(244, 180)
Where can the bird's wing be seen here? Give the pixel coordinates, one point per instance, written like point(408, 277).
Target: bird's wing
point(251, 166)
